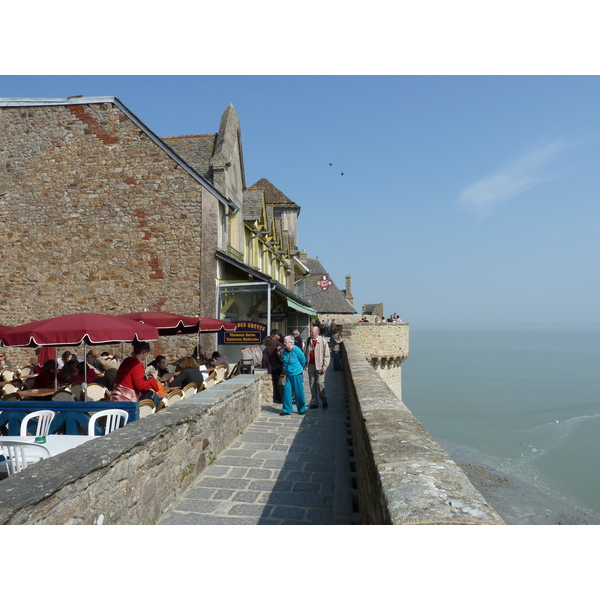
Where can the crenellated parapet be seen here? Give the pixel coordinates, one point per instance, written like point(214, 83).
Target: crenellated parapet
point(384, 345)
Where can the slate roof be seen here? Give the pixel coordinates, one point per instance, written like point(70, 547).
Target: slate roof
point(273, 195)
point(252, 204)
point(333, 300)
point(196, 150)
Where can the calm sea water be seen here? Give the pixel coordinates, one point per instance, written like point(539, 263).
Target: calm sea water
point(526, 401)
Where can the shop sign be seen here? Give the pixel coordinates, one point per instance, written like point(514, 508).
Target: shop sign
point(324, 283)
point(247, 333)
point(277, 315)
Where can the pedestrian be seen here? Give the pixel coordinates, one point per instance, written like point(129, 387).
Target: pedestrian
point(335, 343)
point(317, 361)
point(298, 340)
point(293, 369)
point(272, 361)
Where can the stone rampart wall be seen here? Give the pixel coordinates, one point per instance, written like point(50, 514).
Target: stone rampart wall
point(403, 475)
point(134, 474)
point(385, 346)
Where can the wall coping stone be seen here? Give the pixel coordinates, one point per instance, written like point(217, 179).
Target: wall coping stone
point(403, 475)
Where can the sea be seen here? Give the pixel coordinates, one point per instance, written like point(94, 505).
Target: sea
point(523, 402)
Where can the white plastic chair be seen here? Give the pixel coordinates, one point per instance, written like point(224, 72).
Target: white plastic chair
point(113, 420)
point(19, 455)
point(44, 418)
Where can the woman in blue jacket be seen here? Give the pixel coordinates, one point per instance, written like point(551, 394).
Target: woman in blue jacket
point(293, 367)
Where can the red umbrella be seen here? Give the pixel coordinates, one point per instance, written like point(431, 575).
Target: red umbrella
point(212, 325)
point(166, 323)
point(71, 330)
point(171, 324)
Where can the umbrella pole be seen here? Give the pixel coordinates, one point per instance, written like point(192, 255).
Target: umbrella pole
point(84, 370)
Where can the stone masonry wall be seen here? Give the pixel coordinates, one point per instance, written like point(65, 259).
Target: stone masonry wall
point(403, 475)
point(98, 218)
point(385, 346)
point(132, 475)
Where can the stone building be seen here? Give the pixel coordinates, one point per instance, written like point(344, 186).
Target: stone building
point(319, 289)
point(102, 215)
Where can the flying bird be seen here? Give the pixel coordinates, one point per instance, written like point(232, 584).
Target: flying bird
point(331, 164)
point(342, 173)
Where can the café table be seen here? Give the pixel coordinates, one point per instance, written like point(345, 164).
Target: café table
point(38, 392)
point(55, 443)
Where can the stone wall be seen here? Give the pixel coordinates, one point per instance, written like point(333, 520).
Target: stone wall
point(134, 474)
point(101, 218)
point(385, 346)
point(403, 475)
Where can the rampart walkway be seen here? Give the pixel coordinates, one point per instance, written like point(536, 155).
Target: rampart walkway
point(281, 470)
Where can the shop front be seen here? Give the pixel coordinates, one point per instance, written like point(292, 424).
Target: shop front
point(257, 308)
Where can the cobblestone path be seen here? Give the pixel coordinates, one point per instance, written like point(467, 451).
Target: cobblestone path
point(281, 470)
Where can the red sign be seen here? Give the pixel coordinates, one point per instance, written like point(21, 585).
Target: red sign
point(324, 283)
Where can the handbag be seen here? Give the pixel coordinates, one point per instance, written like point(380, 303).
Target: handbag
point(283, 376)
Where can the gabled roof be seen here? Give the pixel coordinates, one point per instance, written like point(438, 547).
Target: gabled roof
point(333, 300)
point(274, 196)
point(196, 150)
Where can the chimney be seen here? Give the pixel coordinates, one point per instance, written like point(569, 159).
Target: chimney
point(302, 255)
point(349, 295)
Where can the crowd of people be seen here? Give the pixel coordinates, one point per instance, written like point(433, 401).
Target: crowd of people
point(287, 358)
point(394, 318)
point(132, 379)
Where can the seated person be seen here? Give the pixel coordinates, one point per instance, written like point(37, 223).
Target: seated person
point(76, 372)
point(189, 373)
point(109, 365)
point(160, 364)
point(64, 359)
point(46, 377)
point(92, 360)
point(220, 359)
point(4, 362)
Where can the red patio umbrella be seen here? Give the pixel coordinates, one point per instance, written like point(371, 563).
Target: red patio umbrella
point(166, 323)
point(172, 324)
point(213, 325)
point(71, 330)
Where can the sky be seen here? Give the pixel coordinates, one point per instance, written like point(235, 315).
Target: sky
point(468, 141)
point(465, 201)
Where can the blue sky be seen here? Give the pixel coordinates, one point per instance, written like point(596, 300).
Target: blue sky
point(466, 201)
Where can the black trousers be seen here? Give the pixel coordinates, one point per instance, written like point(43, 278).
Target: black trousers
point(277, 391)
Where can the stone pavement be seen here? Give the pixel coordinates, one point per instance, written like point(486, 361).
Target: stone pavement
point(281, 470)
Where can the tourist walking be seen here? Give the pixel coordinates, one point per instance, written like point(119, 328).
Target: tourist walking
point(335, 342)
point(317, 359)
point(272, 361)
point(293, 369)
